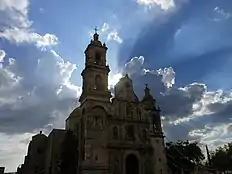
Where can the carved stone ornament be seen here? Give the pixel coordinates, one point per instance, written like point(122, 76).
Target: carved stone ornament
point(98, 122)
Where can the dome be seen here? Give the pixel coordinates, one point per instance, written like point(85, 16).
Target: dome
point(124, 89)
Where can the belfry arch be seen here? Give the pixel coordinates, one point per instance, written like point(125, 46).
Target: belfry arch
point(98, 82)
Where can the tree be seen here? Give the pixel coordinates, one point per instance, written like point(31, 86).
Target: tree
point(183, 154)
point(221, 158)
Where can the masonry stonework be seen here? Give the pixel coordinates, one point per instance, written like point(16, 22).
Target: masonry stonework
point(115, 135)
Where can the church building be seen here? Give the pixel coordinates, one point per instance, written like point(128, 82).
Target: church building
point(105, 134)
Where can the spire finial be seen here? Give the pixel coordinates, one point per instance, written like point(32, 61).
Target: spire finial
point(95, 29)
point(147, 90)
point(95, 36)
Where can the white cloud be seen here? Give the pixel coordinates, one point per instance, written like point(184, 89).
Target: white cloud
point(114, 79)
point(164, 4)
point(51, 86)
point(213, 135)
point(135, 66)
point(52, 90)
point(111, 34)
point(9, 85)
point(50, 83)
point(62, 72)
point(26, 109)
point(2, 55)
point(12, 149)
point(211, 97)
point(20, 5)
point(46, 40)
point(39, 99)
point(168, 76)
point(190, 112)
point(201, 108)
point(221, 14)
point(14, 12)
point(18, 36)
point(105, 27)
point(15, 25)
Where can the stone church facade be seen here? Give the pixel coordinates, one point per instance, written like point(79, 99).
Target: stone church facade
point(115, 135)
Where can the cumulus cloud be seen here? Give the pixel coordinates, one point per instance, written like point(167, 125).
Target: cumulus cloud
point(47, 83)
point(43, 95)
point(221, 14)
point(134, 66)
point(52, 97)
point(114, 79)
point(12, 148)
point(157, 36)
point(35, 97)
point(19, 36)
point(168, 76)
point(214, 105)
point(14, 13)
point(50, 92)
point(164, 4)
point(108, 32)
point(190, 112)
point(161, 82)
point(113, 35)
point(2, 55)
point(162, 42)
point(29, 102)
point(15, 25)
point(213, 135)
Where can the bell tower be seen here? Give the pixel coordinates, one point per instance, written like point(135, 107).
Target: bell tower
point(95, 73)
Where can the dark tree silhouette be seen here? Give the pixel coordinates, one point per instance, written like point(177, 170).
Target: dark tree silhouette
point(221, 158)
point(183, 155)
point(69, 154)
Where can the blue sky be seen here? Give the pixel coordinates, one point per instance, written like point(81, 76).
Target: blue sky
point(182, 48)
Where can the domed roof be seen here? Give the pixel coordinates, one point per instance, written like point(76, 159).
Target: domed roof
point(124, 89)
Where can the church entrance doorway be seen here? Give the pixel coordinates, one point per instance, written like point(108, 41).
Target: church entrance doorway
point(132, 164)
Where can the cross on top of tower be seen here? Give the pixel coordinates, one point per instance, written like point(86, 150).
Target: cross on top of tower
point(95, 36)
point(95, 29)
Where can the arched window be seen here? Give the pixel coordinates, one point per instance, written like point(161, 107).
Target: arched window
point(97, 58)
point(130, 132)
point(115, 132)
point(99, 115)
point(98, 83)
